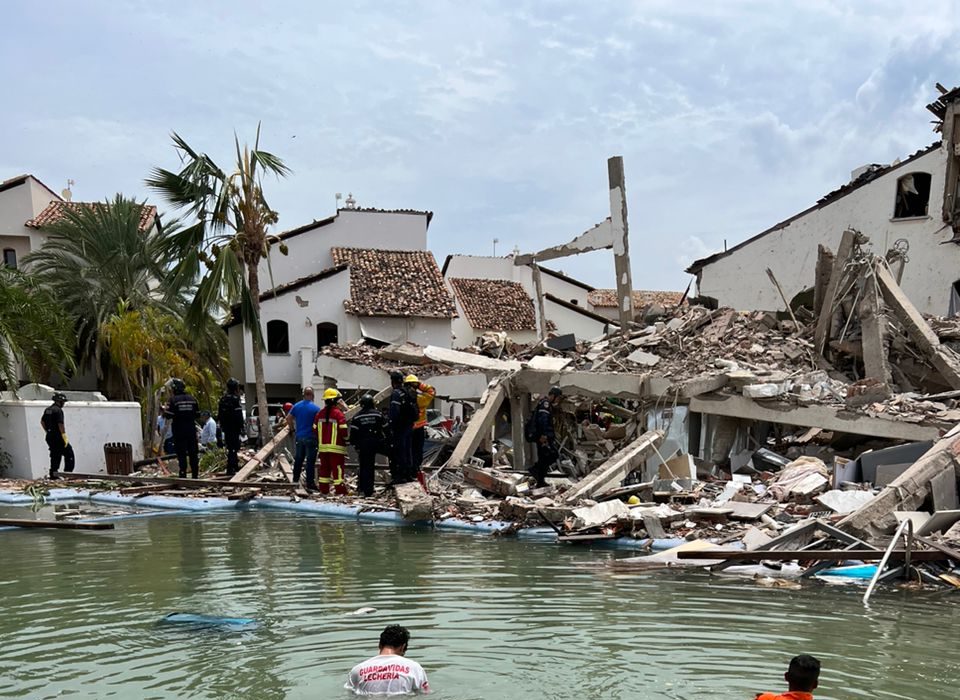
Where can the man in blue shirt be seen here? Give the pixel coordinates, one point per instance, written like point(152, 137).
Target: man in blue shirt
point(300, 420)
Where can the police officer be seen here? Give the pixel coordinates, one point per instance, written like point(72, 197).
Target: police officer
point(403, 414)
point(230, 418)
point(56, 436)
point(547, 450)
point(367, 435)
point(183, 409)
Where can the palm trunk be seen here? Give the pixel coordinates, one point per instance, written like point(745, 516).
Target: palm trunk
point(253, 282)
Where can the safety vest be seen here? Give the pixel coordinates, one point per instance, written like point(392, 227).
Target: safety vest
point(331, 428)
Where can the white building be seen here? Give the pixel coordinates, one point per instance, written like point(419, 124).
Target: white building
point(565, 300)
point(361, 274)
point(22, 199)
point(910, 205)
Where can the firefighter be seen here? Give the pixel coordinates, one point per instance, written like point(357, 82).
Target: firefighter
point(56, 436)
point(403, 414)
point(367, 435)
point(330, 427)
point(548, 452)
point(230, 418)
point(423, 395)
point(184, 409)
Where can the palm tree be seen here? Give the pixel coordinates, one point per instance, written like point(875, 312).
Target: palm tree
point(223, 249)
point(34, 331)
point(98, 262)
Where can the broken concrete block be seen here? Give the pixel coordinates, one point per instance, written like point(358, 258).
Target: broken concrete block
point(489, 480)
point(763, 391)
point(600, 514)
point(641, 357)
point(414, 502)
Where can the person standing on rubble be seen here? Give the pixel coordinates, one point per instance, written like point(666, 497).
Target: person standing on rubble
point(423, 394)
point(366, 434)
point(802, 677)
point(545, 436)
point(331, 429)
point(183, 409)
point(230, 417)
point(402, 414)
point(300, 419)
point(56, 435)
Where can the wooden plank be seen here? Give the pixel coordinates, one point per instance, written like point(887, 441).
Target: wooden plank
point(175, 481)
point(943, 360)
point(479, 425)
point(609, 474)
point(948, 551)
point(55, 524)
point(873, 326)
point(822, 331)
point(813, 555)
point(285, 466)
point(265, 451)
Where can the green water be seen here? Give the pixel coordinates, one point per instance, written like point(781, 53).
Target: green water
point(490, 618)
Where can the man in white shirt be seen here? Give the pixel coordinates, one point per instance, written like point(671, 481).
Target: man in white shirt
point(208, 433)
point(390, 672)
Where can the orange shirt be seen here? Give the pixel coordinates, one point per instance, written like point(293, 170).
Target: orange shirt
point(791, 695)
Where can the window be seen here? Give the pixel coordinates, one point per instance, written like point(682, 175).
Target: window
point(575, 302)
point(913, 196)
point(10, 258)
point(327, 334)
point(278, 338)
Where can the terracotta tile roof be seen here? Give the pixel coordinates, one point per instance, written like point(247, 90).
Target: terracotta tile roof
point(496, 305)
point(54, 212)
point(395, 283)
point(607, 298)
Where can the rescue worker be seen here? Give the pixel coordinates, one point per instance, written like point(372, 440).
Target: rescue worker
point(300, 419)
point(367, 435)
point(230, 418)
point(330, 427)
point(545, 437)
point(184, 409)
point(56, 436)
point(402, 414)
point(802, 677)
point(423, 395)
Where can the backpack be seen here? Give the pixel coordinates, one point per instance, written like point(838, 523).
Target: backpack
point(530, 428)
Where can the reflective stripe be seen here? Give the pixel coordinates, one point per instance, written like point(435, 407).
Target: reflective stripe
point(323, 480)
point(332, 446)
point(337, 475)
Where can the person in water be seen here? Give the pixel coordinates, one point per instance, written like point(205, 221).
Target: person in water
point(389, 672)
point(802, 678)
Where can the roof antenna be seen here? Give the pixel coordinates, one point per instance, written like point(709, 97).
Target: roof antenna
point(66, 192)
point(495, 241)
point(337, 197)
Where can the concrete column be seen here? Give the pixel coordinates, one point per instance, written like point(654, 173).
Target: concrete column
point(621, 241)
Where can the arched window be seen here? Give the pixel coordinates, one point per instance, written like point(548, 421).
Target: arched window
point(10, 258)
point(278, 338)
point(913, 196)
point(327, 334)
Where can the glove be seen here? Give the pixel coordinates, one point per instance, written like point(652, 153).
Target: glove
point(65, 440)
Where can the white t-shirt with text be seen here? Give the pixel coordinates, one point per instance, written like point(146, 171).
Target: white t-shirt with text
point(388, 674)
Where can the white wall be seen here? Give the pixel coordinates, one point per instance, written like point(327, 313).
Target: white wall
point(89, 425)
point(570, 321)
point(399, 329)
point(17, 206)
point(309, 252)
point(739, 279)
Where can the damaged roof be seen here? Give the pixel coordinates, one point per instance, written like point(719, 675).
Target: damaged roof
point(607, 298)
point(54, 212)
point(497, 305)
point(395, 283)
point(872, 173)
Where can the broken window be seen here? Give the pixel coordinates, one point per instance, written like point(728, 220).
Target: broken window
point(913, 196)
point(278, 338)
point(327, 334)
point(10, 258)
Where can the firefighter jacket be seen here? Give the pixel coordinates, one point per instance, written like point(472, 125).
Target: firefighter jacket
point(330, 425)
point(425, 394)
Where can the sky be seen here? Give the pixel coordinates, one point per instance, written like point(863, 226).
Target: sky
point(498, 116)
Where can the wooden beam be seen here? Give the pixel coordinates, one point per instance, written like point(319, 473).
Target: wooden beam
point(175, 481)
point(609, 474)
point(943, 360)
point(813, 555)
point(479, 425)
point(873, 325)
point(822, 331)
point(55, 524)
point(258, 458)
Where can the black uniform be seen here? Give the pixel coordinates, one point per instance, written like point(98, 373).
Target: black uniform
point(51, 420)
point(367, 435)
point(184, 410)
point(230, 420)
point(403, 414)
point(547, 450)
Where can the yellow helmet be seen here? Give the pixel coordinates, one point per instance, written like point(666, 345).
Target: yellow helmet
point(331, 395)
point(411, 379)
point(633, 501)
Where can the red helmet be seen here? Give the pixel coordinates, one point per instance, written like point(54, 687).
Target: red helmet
point(287, 406)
